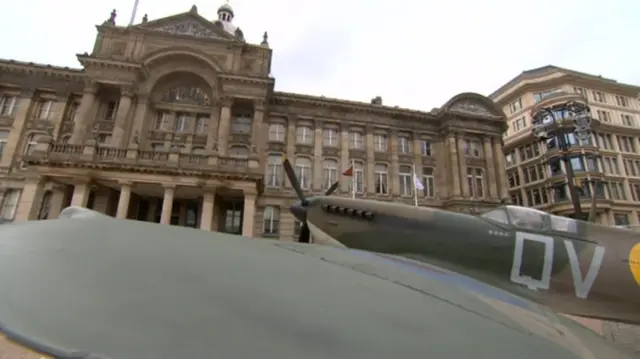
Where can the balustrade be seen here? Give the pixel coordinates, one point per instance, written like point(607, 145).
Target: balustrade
point(80, 155)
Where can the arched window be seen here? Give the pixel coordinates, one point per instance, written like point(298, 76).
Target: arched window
point(404, 176)
point(273, 177)
point(330, 175)
point(239, 151)
point(187, 95)
point(303, 172)
point(382, 178)
point(271, 221)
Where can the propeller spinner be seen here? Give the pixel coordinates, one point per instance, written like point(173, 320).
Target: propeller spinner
point(300, 209)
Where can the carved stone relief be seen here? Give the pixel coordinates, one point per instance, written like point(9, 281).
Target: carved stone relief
point(471, 107)
point(331, 152)
point(191, 28)
point(383, 156)
point(276, 147)
point(304, 150)
point(355, 153)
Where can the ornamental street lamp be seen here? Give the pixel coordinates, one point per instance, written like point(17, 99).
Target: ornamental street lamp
point(557, 121)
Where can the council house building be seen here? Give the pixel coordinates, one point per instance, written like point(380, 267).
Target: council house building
point(177, 121)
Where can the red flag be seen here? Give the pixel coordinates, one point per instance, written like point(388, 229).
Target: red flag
point(348, 172)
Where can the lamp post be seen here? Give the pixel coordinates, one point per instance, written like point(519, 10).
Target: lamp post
point(557, 121)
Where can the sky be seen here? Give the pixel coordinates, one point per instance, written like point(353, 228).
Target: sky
point(414, 54)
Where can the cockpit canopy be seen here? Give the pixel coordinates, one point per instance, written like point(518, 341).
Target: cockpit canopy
point(531, 219)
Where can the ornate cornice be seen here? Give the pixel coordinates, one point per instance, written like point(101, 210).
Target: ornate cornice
point(283, 98)
point(90, 61)
point(251, 80)
point(140, 168)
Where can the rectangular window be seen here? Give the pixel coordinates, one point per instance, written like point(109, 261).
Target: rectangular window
point(380, 143)
point(330, 137)
point(10, 204)
point(8, 105)
point(426, 149)
point(475, 182)
point(277, 132)
point(44, 109)
point(429, 182)
point(304, 135)
point(356, 140)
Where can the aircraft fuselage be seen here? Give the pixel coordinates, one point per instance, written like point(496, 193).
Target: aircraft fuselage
point(591, 273)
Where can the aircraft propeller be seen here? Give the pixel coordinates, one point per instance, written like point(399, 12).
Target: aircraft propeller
point(300, 210)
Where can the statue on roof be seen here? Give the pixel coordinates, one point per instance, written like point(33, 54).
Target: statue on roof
point(112, 17)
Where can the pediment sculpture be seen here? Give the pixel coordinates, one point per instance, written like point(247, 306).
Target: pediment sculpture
point(472, 107)
point(192, 28)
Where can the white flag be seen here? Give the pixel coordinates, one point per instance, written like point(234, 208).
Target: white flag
point(417, 182)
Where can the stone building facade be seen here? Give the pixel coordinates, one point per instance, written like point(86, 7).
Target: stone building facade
point(176, 121)
point(607, 163)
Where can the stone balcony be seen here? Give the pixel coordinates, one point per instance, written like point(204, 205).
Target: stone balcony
point(133, 159)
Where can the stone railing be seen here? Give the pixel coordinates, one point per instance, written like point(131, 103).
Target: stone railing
point(46, 153)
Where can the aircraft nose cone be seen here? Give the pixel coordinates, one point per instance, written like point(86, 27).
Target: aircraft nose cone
point(299, 212)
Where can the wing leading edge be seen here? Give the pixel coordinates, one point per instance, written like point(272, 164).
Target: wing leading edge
point(128, 289)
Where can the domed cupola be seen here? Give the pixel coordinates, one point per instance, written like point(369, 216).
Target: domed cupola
point(225, 18)
point(225, 12)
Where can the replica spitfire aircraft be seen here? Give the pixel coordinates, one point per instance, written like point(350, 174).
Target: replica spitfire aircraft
point(574, 267)
point(86, 285)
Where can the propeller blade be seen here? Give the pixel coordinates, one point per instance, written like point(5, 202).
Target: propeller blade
point(305, 234)
point(331, 189)
point(291, 175)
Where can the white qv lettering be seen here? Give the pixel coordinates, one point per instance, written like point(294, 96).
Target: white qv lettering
point(581, 286)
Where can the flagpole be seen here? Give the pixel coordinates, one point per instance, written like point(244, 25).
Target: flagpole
point(133, 13)
point(353, 178)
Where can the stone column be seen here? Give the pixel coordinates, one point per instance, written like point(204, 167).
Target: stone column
point(58, 110)
point(395, 166)
point(345, 162)
point(21, 110)
point(30, 200)
point(81, 192)
point(57, 200)
point(123, 200)
point(82, 119)
point(317, 175)
point(257, 135)
point(371, 161)
point(455, 165)
point(224, 127)
point(462, 165)
point(167, 204)
point(206, 215)
point(291, 147)
point(500, 164)
point(214, 122)
point(490, 169)
point(249, 214)
point(122, 114)
point(137, 131)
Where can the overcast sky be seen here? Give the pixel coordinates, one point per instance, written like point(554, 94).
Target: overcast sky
point(413, 53)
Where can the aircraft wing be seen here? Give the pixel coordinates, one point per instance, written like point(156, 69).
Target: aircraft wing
point(90, 286)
